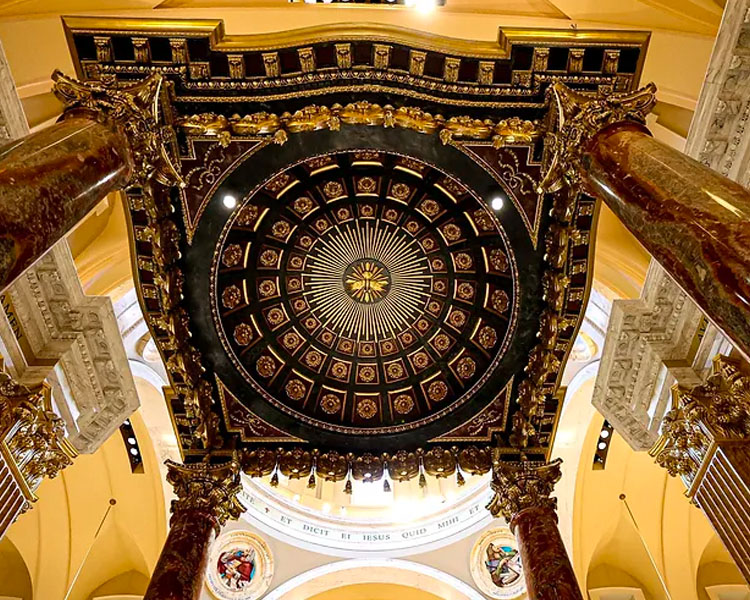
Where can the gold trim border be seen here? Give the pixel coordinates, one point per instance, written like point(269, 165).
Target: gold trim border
point(358, 31)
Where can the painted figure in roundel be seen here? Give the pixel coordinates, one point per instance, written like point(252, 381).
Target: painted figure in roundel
point(236, 568)
point(503, 564)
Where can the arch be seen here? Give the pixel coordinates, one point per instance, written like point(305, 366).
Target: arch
point(113, 558)
point(15, 579)
point(717, 576)
point(131, 584)
point(375, 591)
point(621, 560)
point(358, 571)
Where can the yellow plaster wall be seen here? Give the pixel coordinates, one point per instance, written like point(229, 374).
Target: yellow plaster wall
point(661, 545)
point(375, 591)
point(57, 538)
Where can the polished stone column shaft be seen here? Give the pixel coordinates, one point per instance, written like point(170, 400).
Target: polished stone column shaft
point(50, 180)
point(522, 496)
point(206, 499)
point(692, 220)
point(546, 566)
point(182, 564)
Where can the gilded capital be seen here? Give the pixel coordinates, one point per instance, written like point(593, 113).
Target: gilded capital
point(575, 117)
point(718, 410)
point(31, 434)
point(210, 489)
point(522, 485)
point(137, 110)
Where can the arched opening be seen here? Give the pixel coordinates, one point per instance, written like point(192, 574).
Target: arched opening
point(126, 586)
point(374, 577)
point(375, 591)
point(717, 577)
point(15, 579)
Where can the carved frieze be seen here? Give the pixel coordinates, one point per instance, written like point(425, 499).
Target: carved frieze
point(47, 320)
point(718, 133)
point(651, 342)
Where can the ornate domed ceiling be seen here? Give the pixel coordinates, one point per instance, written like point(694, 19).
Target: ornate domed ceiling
point(372, 281)
point(365, 292)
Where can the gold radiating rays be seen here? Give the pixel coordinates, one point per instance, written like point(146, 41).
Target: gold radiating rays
point(367, 281)
point(399, 280)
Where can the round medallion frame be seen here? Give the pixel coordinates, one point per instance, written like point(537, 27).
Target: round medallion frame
point(501, 537)
point(239, 541)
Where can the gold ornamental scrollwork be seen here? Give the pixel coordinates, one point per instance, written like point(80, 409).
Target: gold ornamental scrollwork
point(574, 117)
point(314, 118)
point(522, 485)
point(136, 110)
point(718, 410)
point(211, 489)
point(32, 436)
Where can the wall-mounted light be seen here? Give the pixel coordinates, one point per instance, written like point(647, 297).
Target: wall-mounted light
point(602, 445)
point(131, 446)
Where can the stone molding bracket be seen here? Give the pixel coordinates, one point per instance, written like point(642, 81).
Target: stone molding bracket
point(651, 342)
point(51, 330)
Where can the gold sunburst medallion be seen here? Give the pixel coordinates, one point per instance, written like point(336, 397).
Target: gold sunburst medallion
point(367, 281)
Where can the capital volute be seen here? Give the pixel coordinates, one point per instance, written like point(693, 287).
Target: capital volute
point(574, 117)
point(206, 488)
point(137, 111)
point(519, 486)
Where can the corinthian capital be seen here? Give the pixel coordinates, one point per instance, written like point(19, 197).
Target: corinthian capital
point(522, 485)
point(575, 117)
point(718, 410)
point(137, 110)
point(33, 435)
point(206, 488)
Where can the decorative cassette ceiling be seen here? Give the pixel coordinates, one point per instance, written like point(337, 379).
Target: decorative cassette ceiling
point(359, 260)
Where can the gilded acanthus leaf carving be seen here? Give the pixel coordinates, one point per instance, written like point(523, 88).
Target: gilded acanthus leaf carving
point(575, 117)
point(522, 485)
point(718, 410)
point(206, 488)
point(32, 433)
point(136, 110)
point(313, 118)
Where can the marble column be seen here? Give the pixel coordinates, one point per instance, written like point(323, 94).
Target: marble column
point(706, 441)
point(50, 180)
point(694, 221)
point(109, 138)
point(522, 496)
point(206, 499)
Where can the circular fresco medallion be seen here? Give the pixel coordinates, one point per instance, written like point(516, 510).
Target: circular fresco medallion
point(361, 297)
point(240, 567)
point(496, 565)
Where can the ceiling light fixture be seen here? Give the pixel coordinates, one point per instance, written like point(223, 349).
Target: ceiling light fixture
point(229, 201)
point(423, 6)
point(497, 203)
